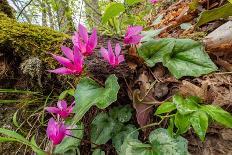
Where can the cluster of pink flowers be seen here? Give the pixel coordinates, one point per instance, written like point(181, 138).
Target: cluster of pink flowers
point(57, 130)
point(72, 62)
point(84, 45)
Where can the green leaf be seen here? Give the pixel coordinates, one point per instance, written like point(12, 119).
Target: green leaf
point(15, 119)
point(160, 144)
point(230, 1)
point(165, 107)
point(122, 114)
point(183, 57)
point(70, 144)
point(171, 127)
point(214, 14)
point(165, 144)
point(119, 137)
point(182, 122)
point(218, 114)
point(98, 152)
point(65, 93)
point(150, 34)
point(102, 128)
point(113, 9)
point(132, 2)
point(89, 93)
point(184, 106)
point(14, 136)
point(199, 122)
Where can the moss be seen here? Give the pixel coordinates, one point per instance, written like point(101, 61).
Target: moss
point(6, 8)
point(26, 40)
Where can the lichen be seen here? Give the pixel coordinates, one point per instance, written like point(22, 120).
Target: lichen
point(26, 40)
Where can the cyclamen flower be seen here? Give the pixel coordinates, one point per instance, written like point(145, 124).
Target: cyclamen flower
point(73, 63)
point(114, 59)
point(132, 35)
point(153, 1)
point(85, 44)
point(56, 131)
point(62, 109)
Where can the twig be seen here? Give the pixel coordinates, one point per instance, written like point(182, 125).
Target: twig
point(24, 8)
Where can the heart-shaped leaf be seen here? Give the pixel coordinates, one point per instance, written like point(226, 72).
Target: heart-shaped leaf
point(183, 57)
point(119, 137)
point(182, 122)
point(122, 114)
point(161, 143)
point(89, 93)
point(102, 128)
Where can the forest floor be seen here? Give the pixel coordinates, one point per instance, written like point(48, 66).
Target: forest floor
point(215, 88)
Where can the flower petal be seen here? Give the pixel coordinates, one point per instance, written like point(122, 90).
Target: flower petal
point(121, 59)
point(52, 110)
point(110, 53)
point(83, 33)
point(62, 105)
point(67, 52)
point(117, 49)
point(133, 30)
point(78, 60)
point(133, 40)
point(64, 61)
point(62, 70)
point(92, 42)
point(104, 53)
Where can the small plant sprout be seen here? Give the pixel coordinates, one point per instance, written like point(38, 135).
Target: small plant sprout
point(114, 58)
point(62, 109)
point(56, 131)
point(73, 64)
point(83, 42)
point(133, 35)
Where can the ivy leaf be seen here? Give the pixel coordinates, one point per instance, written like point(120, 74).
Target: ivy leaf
point(102, 128)
point(160, 143)
point(183, 57)
point(89, 93)
point(214, 14)
point(122, 114)
point(199, 122)
point(218, 114)
point(119, 137)
point(182, 122)
point(165, 108)
point(113, 9)
point(132, 2)
point(70, 144)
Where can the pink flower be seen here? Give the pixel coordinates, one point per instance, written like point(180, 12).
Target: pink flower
point(73, 63)
point(56, 131)
point(132, 35)
point(113, 58)
point(83, 42)
point(153, 1)
point(62, 110)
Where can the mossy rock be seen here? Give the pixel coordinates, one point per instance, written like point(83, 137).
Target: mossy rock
point(26, 40)
point(6, 8)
